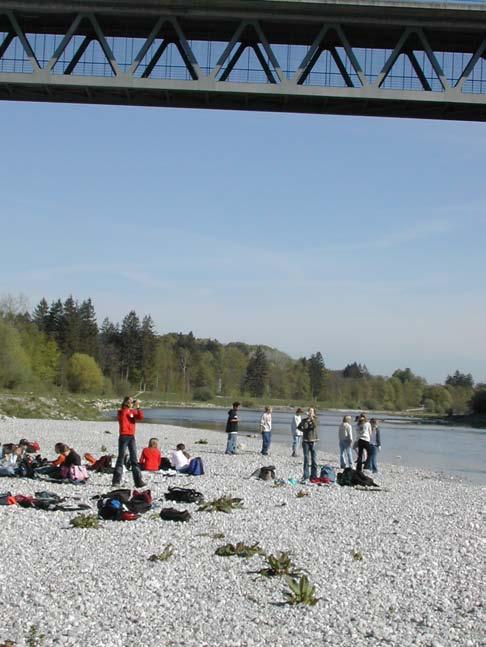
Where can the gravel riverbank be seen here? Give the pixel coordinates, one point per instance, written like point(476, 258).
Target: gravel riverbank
point(420, 581)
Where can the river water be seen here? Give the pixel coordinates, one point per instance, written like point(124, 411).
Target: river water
point(457, 451)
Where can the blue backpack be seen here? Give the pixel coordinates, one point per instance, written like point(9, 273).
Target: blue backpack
point(196, 467)
point(327, 472)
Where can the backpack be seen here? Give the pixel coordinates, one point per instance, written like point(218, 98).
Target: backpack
point(267, 473)
point(184, 495)
point(346, 477)
point(123, 494)
point(327, 472)
point(171, 514)
point(110, 509)
point(74, 473)
point(165, 464)
point(140, 502)
point(195, 467)
point(359, 478)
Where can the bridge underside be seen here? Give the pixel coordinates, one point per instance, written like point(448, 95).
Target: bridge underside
point(382, 59)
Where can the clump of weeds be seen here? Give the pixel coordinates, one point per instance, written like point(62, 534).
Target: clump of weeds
point(279, 564)
point(85, 521)
point(223, 504)
point(239, 550)
point(164, 555)
point(300, 591)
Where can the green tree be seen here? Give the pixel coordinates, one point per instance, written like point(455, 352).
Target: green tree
point(69, 327)
point(478, 401)
point(257, 371)
point(15, 367)
point(88, 329)
point(460, 379)
point(40, 315)
point(83, 374)
point(148, 342)
point(317, 372)
point(131, 347)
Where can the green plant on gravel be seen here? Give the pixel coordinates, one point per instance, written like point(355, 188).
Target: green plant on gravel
point(85, 521)
point(302, 493)
point(239, 550)
point(103, 449)
point(201, 441)
point(8, 643)
point(279, 564)
point(301, 591)
point(34, 637)
point(223, 504)
point(164, 555)
point(357, 556)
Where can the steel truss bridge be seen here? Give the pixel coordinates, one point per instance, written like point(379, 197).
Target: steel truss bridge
point(361, 57)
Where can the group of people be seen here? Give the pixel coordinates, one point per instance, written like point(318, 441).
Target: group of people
point(304, 431)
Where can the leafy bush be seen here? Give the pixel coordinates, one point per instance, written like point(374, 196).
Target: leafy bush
point(83, 374)
point(201, 441)
point(14, 363)
point(202, 394)
point(248, 404)
point(223, 504)
point(478, 401)
point(300, 591)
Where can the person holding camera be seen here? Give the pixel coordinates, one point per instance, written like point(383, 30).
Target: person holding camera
point(128, 414)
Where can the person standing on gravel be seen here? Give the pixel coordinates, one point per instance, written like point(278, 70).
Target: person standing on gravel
point(375, 445)
point(232, 429)
point(296, 433)
point(127, 416)
point(310, 436)
point(364, 435)
point(345, 443)
point(266, 430)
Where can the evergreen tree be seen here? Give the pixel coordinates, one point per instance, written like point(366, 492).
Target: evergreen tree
point(148, 350)
point(257, 371)
point(460, 379)
point(69, 329)
point(110, 350)
point(88, 329)
point(131, 347)
point(316, 370)
point(40, 315)
point(53, 321)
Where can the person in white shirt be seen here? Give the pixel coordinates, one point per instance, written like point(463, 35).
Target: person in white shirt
point(296, 433)
point(364, 436)
point(345, 443)
point(179, 458)
point(266, 429)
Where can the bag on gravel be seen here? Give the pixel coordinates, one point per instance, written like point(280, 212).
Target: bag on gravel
point(31, 446)
point(122, 494)
point(265, 473)
point(327, 472)
point(6, 498)
point(361, 479)
point(196, 467)
point(110, 509)
point(140, 502)
point(171, 514)
point(165, 464)
point(346, 477)
point(184, 495)
point(46, 500)
point(75, 473)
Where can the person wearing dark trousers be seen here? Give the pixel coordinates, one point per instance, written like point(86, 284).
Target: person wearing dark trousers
point(364, 435)
point(310, 436)
point(232, 429)
point(127, 416)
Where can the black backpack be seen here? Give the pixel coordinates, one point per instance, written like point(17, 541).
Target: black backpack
point(184, 495)
point(171, 514)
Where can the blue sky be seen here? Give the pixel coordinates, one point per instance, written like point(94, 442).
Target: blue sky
point(362, 238)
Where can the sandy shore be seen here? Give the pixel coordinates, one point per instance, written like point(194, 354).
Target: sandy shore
point(420, 580)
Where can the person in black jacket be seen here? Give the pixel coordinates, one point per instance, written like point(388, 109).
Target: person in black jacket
point(308, 426)
point(232, 429)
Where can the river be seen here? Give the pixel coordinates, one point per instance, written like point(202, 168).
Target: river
point(457, 451)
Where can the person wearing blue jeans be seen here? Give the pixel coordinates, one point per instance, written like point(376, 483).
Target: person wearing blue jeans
point(232, 429)
point(310, 436)
point(126, 421)
point(375, 445)
point(345, 443)
point(266, 429)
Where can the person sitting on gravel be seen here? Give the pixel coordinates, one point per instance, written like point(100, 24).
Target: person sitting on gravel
point(179, 458)
point(57, 468)
point(151, 456)
point(10, 460)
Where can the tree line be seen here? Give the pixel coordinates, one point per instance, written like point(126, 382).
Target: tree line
point(61, 345)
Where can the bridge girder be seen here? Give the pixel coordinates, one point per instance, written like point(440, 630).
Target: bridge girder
point(328, 48)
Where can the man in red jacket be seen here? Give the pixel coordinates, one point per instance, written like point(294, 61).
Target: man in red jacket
point(126, 420)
